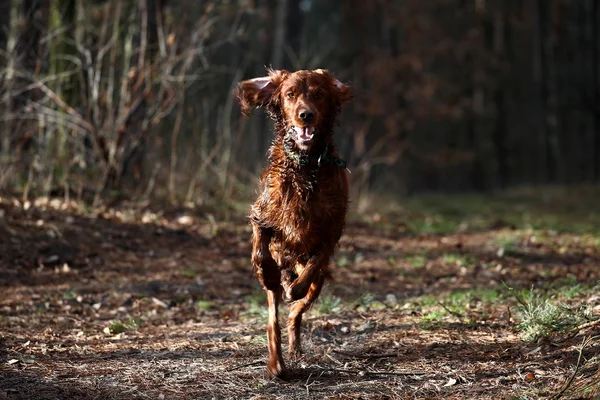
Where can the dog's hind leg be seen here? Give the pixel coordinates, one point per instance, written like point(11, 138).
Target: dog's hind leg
point(298, 289)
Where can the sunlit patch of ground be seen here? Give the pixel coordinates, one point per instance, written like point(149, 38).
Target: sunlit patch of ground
point(130, 304)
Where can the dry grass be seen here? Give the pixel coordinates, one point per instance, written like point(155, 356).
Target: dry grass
point(123, 304)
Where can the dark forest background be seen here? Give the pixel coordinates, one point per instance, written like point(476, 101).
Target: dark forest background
point(133, 98)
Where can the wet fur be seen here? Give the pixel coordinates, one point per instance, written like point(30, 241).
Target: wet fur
point(300, 213)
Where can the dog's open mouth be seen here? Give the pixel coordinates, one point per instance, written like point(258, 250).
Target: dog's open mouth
point(303, 135)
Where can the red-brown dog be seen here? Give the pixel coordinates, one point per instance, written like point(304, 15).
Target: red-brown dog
point(300, 213)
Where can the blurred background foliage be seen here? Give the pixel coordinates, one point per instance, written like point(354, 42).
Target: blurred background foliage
point(105, 99)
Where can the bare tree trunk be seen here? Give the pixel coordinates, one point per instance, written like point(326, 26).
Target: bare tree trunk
point(280, 33)
point(294, 24)
point(135, 135)
point(581, 95)
point(544, 170)
point(31, 32)
point(553, 159)
point(174, 154)
point(7, 99)
point(61, 26)
point(596, 87)
point(5, 10)
point(8, 43)
point(499, 135)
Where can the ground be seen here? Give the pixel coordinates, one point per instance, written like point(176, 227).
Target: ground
point(429, 301)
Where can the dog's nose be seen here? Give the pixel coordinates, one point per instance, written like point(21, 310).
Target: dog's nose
point(306, 115)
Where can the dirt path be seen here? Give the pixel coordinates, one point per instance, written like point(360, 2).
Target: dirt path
point(134, 305)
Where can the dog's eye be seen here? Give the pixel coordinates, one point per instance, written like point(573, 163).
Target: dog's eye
point(318, 95)
point(290, 95)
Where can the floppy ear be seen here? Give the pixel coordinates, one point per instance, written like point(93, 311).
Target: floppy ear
point(258, 92)
point(344, 92)
point(341, 93)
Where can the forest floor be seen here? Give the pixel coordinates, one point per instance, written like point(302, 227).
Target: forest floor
point(444, 297)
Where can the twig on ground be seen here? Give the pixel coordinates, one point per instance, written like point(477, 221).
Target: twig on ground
point(575, 331)
point(586, 325)
point(366, 356)
point(363, 372)
point(459, 315)
point(247, 365)
point(584, 344)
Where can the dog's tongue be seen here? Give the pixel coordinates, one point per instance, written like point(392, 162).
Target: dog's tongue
point(306, 133)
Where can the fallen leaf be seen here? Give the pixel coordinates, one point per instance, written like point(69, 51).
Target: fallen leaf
point(451, 382)
point(159, 302)
point(529, 377)
point(536, 350)
point(185, 220)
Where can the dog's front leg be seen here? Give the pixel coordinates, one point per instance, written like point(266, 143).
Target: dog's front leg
point(264, 265)
point(269, 276)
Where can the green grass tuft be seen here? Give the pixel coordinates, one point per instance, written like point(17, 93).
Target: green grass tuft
point(343, 261)
point(205, 305)
point(329, 304)
point(117, 326)
point(257, 312)
point(539, 317)
point(366, 302)
point(417, 261)
point(457, 259)
point(189, 273)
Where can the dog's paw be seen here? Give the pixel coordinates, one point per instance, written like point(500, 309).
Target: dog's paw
point(276, 369)
point(288, 276)
point(287, 282)
point(287, 292)
point(295, 354)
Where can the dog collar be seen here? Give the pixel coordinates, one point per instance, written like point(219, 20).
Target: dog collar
point(305, 159)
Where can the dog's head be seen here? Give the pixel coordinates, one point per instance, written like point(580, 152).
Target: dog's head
point(304, 102)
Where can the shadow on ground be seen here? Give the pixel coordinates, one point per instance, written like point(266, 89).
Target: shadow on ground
point(117, 305)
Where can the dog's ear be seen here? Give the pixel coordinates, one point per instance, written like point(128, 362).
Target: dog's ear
point(342, 93)
point(258, 92)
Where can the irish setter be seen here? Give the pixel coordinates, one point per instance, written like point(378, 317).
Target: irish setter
point(300, 212)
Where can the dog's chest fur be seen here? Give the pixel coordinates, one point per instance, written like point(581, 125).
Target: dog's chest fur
point(303, 209)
